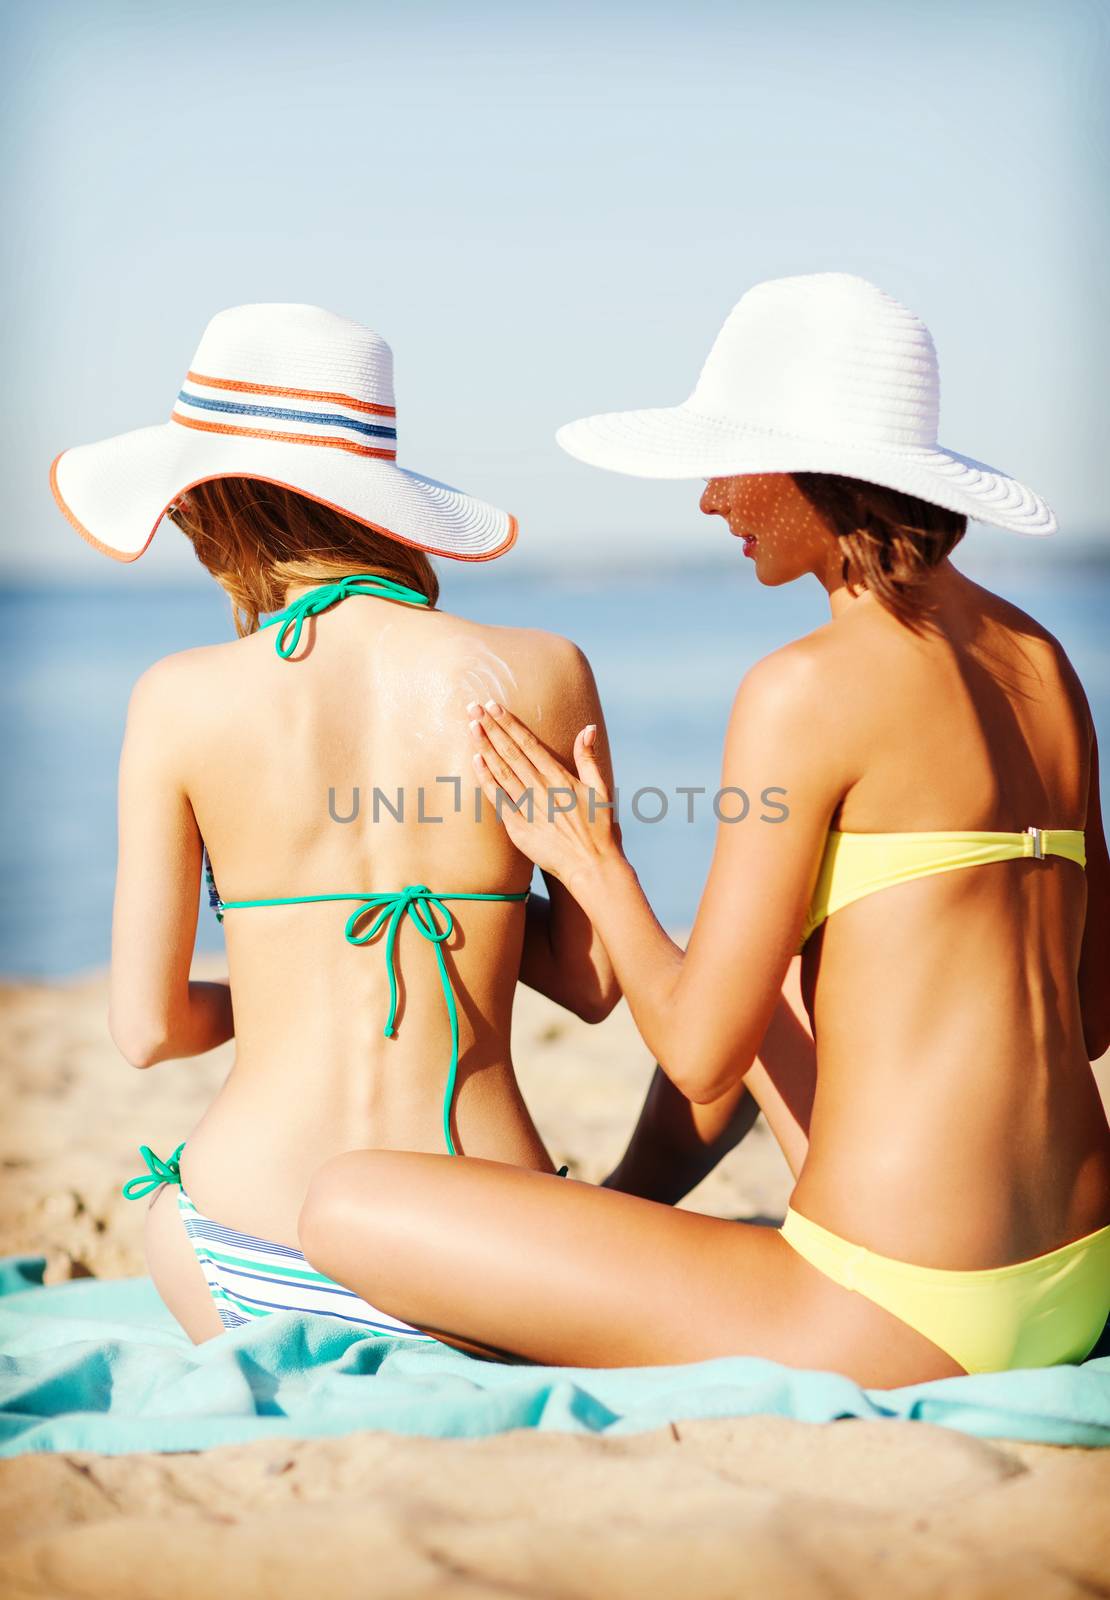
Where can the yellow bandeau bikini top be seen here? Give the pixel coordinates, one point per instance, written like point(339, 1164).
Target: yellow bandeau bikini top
point(857, 864)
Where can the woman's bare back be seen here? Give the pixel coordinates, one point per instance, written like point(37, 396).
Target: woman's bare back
point(346, 769)
point(962, 1074)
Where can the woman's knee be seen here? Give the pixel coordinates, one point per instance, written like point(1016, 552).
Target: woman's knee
point(355, 1182)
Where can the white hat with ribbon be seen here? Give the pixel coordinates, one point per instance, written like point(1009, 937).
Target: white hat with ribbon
point(291, 394)
point(822, 372)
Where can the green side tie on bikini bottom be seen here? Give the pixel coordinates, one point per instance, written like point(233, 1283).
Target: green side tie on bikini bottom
point(157, 1173)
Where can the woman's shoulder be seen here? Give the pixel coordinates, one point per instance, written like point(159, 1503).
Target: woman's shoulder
point(804, 711)
point(541, 641)
point(796, 675)
point(172, 674)
point(179, 690)
point(539, 652)
point(542, 676)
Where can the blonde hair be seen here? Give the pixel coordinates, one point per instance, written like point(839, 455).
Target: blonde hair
point(890, 540)
point(256, 538)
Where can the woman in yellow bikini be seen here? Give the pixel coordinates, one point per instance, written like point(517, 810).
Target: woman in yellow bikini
point(910, 971)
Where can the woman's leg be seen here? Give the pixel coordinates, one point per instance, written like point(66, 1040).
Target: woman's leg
point(677, 1143)
point(564, 1273)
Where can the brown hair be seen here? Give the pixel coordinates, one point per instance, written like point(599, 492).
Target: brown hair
point(256, 538)
point(890, 540)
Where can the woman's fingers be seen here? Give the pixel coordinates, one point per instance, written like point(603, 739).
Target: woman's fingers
point(490, 787)
point(492, 738)
point(585, 759)
point(498, 721)
point(486, 781)
point(499, 770)
point(503, 757)
point(522, 764)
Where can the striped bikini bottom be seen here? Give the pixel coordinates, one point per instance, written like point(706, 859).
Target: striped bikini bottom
point(250, 1277)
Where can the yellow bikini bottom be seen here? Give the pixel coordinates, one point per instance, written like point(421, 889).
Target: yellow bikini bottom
point(1037, 1313)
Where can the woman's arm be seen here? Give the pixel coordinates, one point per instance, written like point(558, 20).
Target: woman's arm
point(155, 1012)
point(702, 1014)
point(676, 1143)
point(564, 957)
point(1094, 959)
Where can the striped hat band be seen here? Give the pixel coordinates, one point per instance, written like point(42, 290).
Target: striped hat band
point(264, 380)
point(291, 416)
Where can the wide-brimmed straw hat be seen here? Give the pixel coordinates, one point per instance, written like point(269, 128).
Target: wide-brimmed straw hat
point(823, 372)
point(291, 394)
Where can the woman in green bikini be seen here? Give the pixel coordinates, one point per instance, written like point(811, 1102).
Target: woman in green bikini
point(374, 944)
point(911, 972)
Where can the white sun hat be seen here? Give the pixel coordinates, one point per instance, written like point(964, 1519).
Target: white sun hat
point(296, 396)
point(822, 372)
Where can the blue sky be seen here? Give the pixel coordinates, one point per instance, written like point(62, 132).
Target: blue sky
point(549, 211)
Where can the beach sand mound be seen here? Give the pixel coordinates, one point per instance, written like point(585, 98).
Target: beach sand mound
point(759, 1506)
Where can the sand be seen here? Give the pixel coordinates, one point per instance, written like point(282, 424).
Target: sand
point(760, 1505)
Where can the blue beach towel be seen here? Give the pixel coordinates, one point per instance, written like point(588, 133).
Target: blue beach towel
point(100, 1364)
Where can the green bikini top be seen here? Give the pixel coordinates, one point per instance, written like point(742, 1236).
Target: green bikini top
point(374, 910)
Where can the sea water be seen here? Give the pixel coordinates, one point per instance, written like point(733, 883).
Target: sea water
point(668, 650)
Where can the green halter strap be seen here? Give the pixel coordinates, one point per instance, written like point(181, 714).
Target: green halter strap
point(318, 599)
